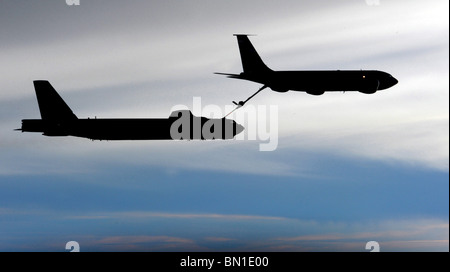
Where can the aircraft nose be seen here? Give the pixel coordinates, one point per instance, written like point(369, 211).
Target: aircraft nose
point(393, 81)
point(239, 128)
point(387, 82)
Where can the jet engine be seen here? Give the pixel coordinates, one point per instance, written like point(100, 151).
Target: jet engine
point(370, 86)
point(279, 89)
point(315, 92)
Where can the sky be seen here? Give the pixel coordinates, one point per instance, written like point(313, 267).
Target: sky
point(344, 168)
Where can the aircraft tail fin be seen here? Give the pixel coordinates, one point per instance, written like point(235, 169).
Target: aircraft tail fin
point(51, 105)
point(251, 61)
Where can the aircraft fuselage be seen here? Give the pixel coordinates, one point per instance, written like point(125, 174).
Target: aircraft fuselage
point(172, 128)
point(318, 82)
point(59, 120)
point(314, 82)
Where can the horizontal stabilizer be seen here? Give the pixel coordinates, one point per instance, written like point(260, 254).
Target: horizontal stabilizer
point(229, 75)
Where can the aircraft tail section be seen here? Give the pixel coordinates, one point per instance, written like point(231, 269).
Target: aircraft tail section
point(51, 105)
point(251, 61)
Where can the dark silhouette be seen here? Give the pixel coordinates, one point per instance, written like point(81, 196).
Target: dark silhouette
point(59, 120)
point(312, 82)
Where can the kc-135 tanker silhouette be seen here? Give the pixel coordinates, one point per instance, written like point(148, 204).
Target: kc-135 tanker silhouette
point(309, 81)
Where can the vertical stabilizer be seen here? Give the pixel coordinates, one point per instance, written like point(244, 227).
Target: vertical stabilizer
point(51, 105)
point(251, 61)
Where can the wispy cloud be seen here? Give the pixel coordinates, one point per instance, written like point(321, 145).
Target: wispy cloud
point(142, 243)
point(143, 214)
point(401, 235)
point(216, 232)
point(219, 239)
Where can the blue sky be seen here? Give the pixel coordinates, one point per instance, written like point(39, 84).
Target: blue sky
point(348, 168)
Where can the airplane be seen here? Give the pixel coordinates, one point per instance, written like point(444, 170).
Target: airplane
point(314, 82)
point(57, 119)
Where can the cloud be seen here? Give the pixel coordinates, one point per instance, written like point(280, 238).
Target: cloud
point(132, 70)
point(108, 59)
point(422, 143)
point(172, 231)
point(136, 243)
point(141, 239)
point(218, 239)
point(392, 235)
point(144, 214)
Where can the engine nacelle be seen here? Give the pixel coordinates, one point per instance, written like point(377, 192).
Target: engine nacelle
point(370, 86)
point(315, 92)
point(279, 90)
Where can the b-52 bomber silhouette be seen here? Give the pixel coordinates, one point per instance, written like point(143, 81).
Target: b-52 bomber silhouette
point(309, 81)
point(57, 119)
